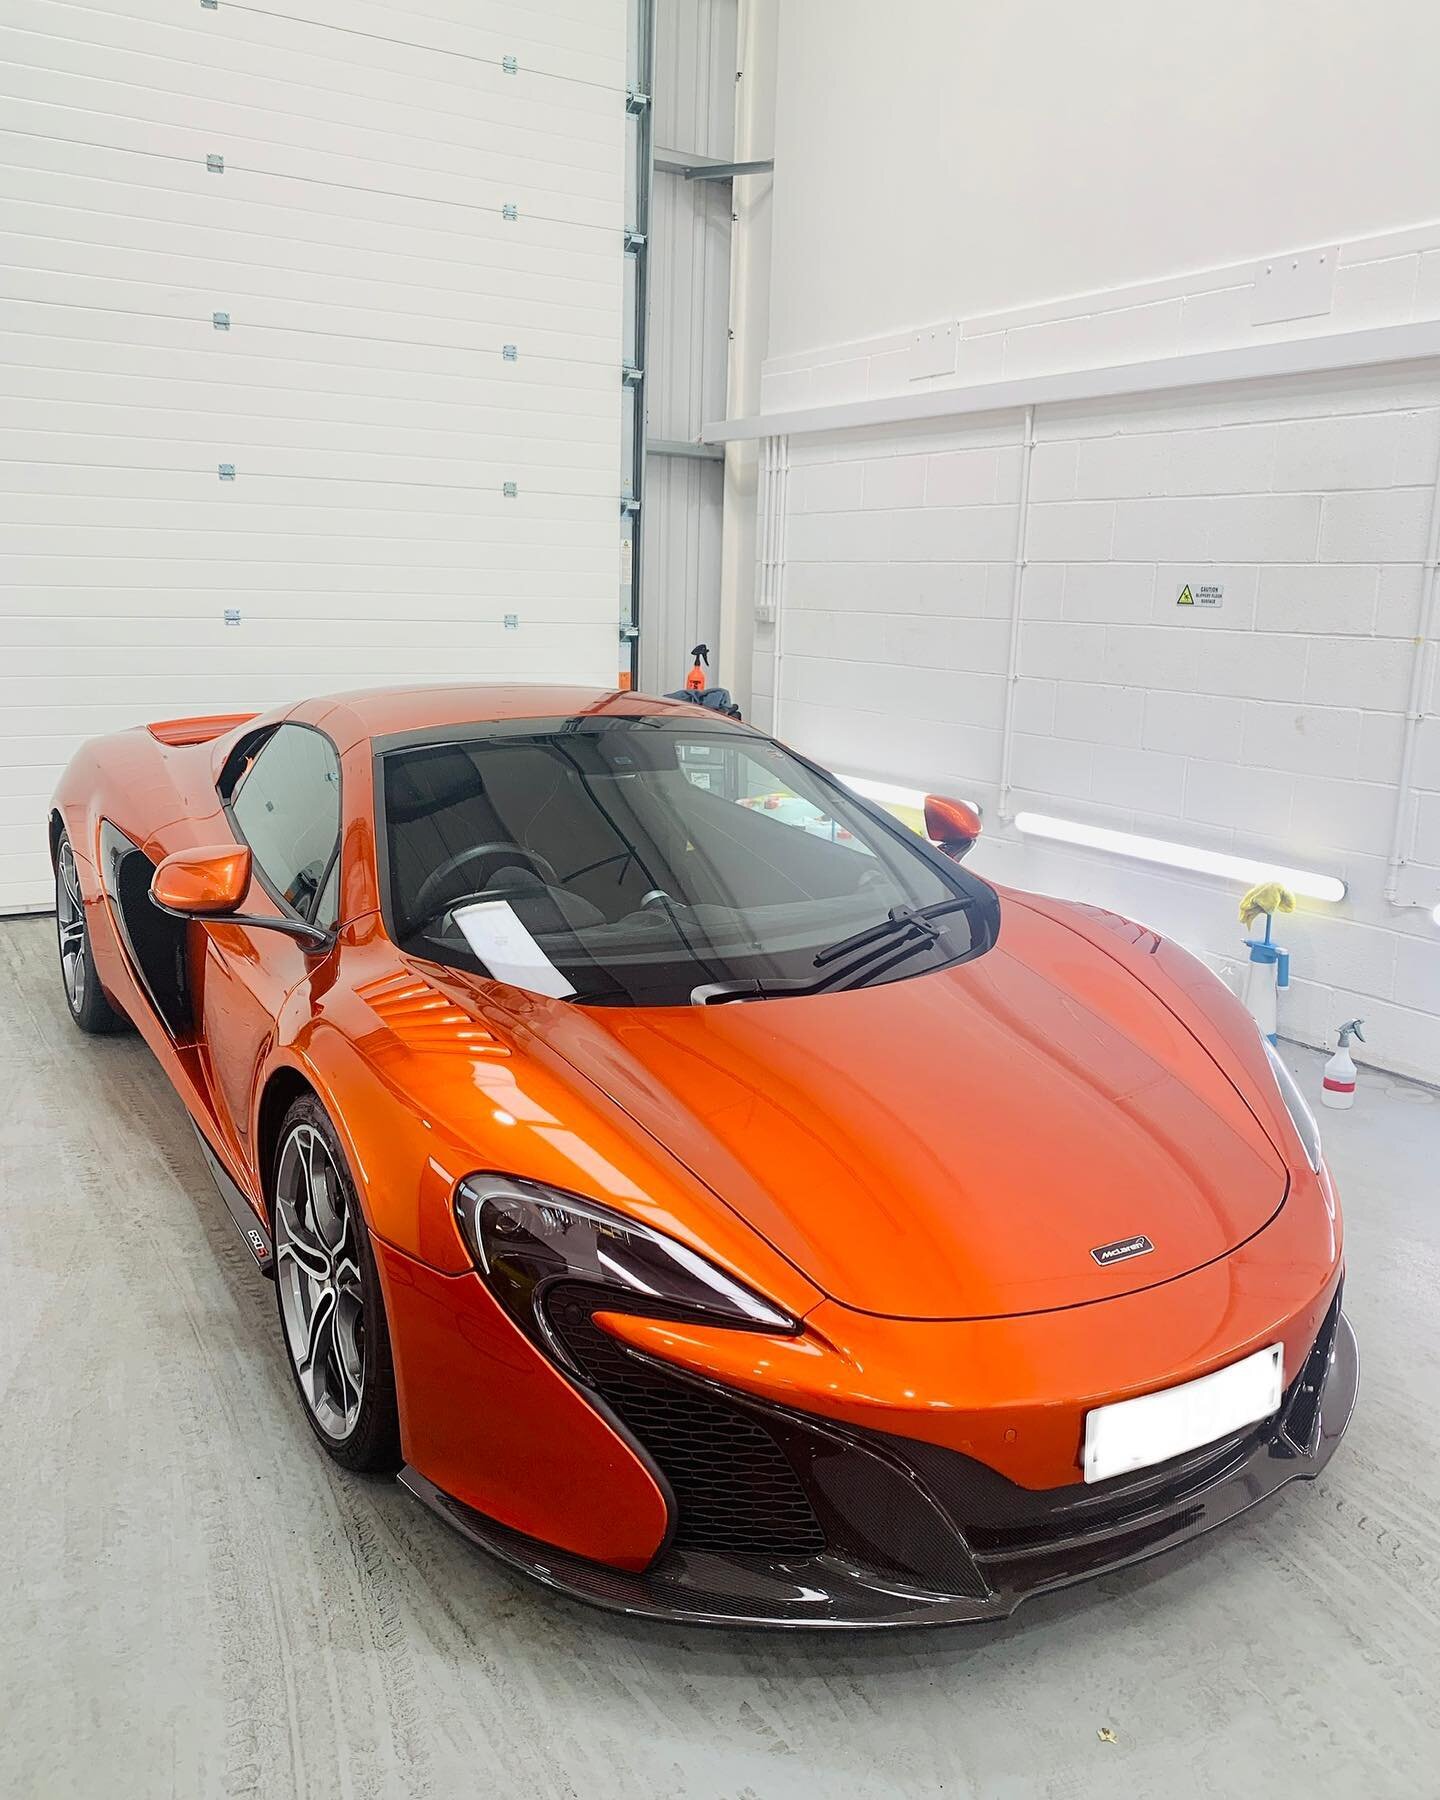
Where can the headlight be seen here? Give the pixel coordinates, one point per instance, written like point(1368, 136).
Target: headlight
point(525, 1237)
point(1296, 1105)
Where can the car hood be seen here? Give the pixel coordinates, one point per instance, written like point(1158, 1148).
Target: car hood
point(964, 1143)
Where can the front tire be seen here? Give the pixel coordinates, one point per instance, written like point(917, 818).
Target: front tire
point(89, 1006)
point(332, 1312)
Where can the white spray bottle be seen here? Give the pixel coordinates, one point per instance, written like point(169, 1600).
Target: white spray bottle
point(1269, 967)
point(1338, 1087)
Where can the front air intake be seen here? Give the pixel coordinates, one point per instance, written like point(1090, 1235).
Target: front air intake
point(736, 1492)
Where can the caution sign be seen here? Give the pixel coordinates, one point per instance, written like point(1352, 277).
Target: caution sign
point(1201, 593)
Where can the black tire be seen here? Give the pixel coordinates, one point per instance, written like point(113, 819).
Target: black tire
point(90, 1006)
point(320, 1237)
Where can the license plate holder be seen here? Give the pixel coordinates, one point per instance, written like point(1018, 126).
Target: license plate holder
point(1136, 1434)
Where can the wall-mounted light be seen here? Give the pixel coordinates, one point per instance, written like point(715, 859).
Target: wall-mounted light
point(1245, 869)
point(888, 793)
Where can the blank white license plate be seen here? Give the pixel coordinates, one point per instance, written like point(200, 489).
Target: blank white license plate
point(1134, 1434)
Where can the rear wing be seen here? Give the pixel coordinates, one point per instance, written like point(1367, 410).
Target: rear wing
point(198, 730)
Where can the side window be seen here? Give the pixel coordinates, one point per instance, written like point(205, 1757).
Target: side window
point(287, 807)
point(328, 905)
point(727, 772)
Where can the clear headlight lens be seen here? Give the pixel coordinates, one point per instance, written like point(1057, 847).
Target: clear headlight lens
point(1296, 1105)
point(524, 1237)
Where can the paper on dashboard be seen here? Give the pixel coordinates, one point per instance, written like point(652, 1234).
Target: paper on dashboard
point(498, 937)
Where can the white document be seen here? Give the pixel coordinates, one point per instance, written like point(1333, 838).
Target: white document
point(497, 936)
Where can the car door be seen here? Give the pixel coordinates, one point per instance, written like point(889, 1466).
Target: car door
point(285, 804)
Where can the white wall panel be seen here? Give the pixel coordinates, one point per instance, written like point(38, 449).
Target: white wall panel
point(357, 241)
point(953, 159)
point(941, 172)
point(1270, 726)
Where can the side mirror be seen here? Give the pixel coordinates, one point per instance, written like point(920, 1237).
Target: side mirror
point(210, 883)
point(202, 884)
point(952, 824)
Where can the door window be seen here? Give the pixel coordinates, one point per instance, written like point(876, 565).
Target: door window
point(287, 809)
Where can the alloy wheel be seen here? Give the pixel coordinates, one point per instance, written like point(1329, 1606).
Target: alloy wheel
point(70, 920)
point(317, 1265)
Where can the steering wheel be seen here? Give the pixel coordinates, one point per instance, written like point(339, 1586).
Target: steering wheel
point(501, 853)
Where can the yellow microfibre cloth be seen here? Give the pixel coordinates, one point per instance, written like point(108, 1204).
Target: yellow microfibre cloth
point(1265, 897)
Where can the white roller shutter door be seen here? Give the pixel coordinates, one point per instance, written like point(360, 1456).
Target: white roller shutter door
point(357, 241)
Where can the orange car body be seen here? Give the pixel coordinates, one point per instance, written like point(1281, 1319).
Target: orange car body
point(919, 1172)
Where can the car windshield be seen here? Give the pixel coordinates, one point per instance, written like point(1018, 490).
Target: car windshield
point(650, 861)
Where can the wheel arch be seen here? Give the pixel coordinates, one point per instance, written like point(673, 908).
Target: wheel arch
point(283, 1087)
point(403, 1166)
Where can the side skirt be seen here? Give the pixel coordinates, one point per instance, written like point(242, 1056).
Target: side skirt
point(257, 1238)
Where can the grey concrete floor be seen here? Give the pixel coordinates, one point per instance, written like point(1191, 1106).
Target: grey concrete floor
point(195, 1602)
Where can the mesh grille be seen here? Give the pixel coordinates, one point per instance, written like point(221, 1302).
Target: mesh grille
point(735, 1490)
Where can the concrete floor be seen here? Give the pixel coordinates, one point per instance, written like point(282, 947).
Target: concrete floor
point(194, 1601)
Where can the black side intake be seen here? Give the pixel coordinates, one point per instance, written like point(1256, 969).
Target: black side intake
point(758, 1482)
point(735, 1490)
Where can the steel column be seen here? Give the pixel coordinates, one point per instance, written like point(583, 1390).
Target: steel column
point(637, 243)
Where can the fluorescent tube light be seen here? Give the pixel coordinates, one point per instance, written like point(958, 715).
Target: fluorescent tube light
point(886, 792)
point(1245, 869)
point(889, 794)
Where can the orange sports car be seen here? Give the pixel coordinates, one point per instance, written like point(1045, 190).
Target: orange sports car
point(715, 1200)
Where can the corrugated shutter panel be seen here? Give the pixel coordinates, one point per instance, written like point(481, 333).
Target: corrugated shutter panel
point(358, 243)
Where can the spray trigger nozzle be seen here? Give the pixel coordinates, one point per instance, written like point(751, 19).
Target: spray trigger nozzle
point(1351, 1029)
point(695, 682)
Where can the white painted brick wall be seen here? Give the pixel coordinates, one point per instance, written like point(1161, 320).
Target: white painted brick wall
point(1272, 725)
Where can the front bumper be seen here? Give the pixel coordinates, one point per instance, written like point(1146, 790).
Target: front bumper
point(871, 1530)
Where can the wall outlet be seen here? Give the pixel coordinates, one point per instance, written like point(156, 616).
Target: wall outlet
point(1298, 285)
point(933, 351)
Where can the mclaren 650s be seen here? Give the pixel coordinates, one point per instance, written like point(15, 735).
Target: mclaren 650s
point(714, 1199)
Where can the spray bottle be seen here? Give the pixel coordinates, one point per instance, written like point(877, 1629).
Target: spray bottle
point(1338, 1087)
point(697, 681)
point(1269, 966)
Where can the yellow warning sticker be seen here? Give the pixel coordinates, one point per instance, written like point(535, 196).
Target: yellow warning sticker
point(1201, 593)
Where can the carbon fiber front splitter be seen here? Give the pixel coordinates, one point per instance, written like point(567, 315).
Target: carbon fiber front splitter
point(829, 1591)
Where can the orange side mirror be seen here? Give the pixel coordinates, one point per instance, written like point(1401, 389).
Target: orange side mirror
point(204, 883)
point(952, 824)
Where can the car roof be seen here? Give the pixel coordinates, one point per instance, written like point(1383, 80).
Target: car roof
point(390, 712)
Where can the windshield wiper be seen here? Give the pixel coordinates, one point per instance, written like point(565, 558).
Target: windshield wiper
point(901, 922)
point(873, 951)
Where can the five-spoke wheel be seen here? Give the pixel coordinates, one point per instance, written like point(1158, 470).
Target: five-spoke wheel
point(331, 1309)
point(318, 1269)
point(70, 918)
point(89, 1005)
